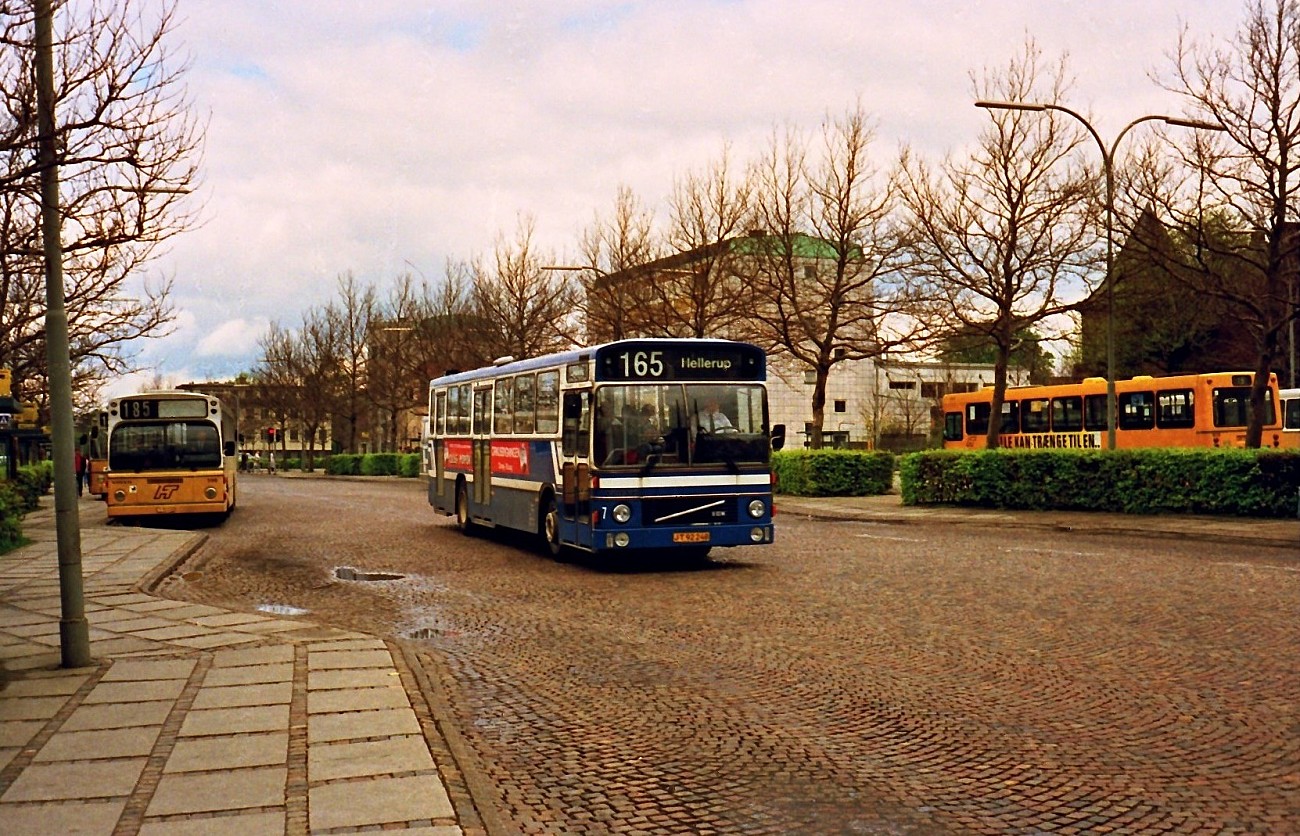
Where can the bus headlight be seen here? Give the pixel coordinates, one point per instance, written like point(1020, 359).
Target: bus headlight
point(621, 513)
point(211, 493)
point(756, 508)
point(119, 496)
point(621, 539)
point(756, 535)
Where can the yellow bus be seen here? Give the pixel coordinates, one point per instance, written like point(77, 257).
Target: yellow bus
point(170, 452)
point(1290, 399)
point(1190, 410)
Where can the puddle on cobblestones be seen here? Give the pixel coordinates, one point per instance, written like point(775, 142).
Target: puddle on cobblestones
point(347, 573)
point(281, 609)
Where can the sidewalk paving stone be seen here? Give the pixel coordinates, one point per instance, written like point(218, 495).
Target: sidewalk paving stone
point(212, 721)
point(201, 754)
point(117, 716)
point(233, 696)
point(75, 780)
point(355, 725)
point(135, 741)
point(43, 819)
point(228, 789)
point(358, 803)
point(372, 757)
point(249, 674)
point(245, 824)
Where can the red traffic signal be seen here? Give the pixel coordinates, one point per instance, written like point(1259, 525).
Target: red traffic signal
point(270, 433)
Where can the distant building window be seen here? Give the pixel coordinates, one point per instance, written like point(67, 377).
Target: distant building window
point(902, 384)
point(810, 377)
point(932, 389)
point(841, 353)
point(841, 406)
point(809, 271)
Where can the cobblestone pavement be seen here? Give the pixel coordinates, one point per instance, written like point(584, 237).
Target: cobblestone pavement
point(853, 678)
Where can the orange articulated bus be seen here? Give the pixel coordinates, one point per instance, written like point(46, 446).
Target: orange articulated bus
point(1290, 401)
point(170, 452)
point(1190, 410)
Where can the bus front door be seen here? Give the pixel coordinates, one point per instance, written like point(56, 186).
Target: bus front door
point(575, 473)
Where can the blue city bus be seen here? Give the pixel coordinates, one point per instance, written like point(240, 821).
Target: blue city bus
point(629, 447)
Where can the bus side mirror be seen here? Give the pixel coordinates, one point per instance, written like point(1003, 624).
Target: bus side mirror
point(778, 436)
point(228, 448)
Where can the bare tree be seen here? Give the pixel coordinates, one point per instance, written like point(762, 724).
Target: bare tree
point(824, 274)
point(1003, 237)
point(349, 320)
point(449, 336)
point(613, 245)
point(1237, 202)
point(395, 379)
point(522, 309)
point(128, 153)
point(695, 291)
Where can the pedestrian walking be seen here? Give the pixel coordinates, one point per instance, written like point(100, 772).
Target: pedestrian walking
point(257, 461)
point(270, 461)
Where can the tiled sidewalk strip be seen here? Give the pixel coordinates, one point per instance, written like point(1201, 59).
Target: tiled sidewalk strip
point(196, 719)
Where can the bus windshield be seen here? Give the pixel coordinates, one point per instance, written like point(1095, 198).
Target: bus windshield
point(169, 445)
point(676, 424)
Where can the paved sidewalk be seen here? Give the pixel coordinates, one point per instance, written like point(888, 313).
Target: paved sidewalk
point(888, 508)
point(195, 719)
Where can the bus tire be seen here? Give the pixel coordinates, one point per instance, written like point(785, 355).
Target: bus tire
point(463, 521)
point(550, 526)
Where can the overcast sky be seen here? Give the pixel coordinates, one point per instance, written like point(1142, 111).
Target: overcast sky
point(383, 136)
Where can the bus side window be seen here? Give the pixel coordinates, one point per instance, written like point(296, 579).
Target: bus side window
point(1094, 412)
point(548, 402)
point(503, 406)
point(977, 419)
point(1034, 416)
point(1010, 417)
point(525, 414)
point(1136, 410)
point(1175, 409)
point(1067, 414)
point(952, 426)
point(577, 423)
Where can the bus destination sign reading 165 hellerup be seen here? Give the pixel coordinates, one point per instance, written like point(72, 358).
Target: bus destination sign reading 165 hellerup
point(664, 362)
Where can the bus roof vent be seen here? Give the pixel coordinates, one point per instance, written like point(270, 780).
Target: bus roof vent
point(1143, 377)
point(501, 361)
point(1094, 380)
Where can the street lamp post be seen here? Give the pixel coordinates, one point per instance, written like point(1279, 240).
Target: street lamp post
point(74, 630)
point(1108, 169)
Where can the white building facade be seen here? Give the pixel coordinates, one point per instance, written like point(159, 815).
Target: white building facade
point(885, 404)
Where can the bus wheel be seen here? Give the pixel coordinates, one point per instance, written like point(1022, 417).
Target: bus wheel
point(551, 526)
point(463, 522)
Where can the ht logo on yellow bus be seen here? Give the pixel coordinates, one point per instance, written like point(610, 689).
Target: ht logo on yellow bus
point(165, 492)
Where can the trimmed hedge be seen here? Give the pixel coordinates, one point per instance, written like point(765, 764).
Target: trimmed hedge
point(833, 472)
point(1248, 483)
point(12, 508)
point(372, 464)
point(19, 496)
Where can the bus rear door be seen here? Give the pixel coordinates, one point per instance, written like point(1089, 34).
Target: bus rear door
point(483, 449)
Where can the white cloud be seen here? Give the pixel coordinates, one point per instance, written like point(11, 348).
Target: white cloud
point(233, 338)
point(405, 134)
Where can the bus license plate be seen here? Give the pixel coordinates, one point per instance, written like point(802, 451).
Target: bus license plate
point(690, 536)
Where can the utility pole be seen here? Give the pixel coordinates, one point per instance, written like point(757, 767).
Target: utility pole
point(74, 632)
